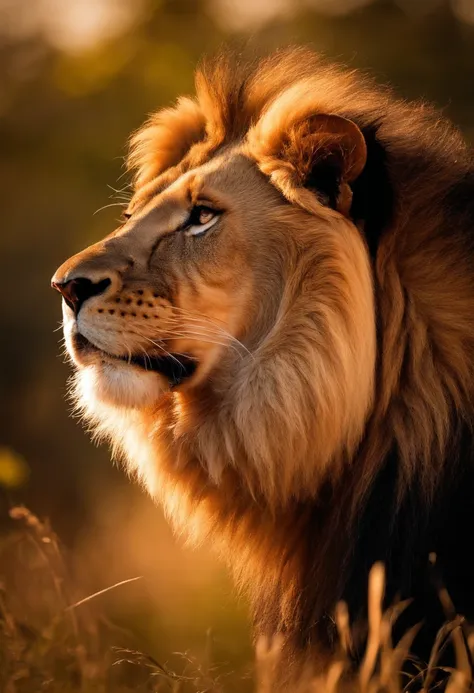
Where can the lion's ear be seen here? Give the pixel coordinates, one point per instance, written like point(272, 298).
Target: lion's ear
point(316, 160)
point(331, 156)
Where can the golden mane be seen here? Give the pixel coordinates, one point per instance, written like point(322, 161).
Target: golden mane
point(345, 439)
point(259, 101)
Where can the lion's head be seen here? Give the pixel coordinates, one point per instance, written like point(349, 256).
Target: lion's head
point(238, 272)
point(283, 310)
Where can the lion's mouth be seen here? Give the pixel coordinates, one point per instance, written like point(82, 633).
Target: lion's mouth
point(176, 368)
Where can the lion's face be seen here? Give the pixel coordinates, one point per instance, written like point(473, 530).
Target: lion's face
point(178, 289)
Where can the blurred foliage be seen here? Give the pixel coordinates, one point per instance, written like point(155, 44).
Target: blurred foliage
point(54, 642)
point(68, 102)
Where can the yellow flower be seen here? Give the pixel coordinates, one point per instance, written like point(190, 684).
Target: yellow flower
point(13, 469)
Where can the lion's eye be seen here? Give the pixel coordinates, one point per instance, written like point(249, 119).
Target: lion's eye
point(200, 220)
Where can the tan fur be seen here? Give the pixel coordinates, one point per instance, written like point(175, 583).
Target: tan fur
point(303, 401)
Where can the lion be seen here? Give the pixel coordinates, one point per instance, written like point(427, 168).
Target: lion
point(279, 339)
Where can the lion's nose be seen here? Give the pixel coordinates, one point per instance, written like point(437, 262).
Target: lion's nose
point(76, 291)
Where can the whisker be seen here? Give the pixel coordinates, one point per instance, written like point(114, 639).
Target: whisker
point(122, 191)
point(198, 318)
point(197, 314)
point(214, 329)
point(167, 353)
point(197, 324)
point(147, 358)
point(126, 172)
point(158, 346)
point(193, 336)
point(113, 204)
point(129, 359)
point(201, 338)
point(210, 321)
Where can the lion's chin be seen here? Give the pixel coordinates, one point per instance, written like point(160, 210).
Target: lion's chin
point(120, 385)
point(133, 381)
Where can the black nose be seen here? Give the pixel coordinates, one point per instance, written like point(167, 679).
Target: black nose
point(76, 291)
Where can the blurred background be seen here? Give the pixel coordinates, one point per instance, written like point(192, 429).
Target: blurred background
point(76, 77)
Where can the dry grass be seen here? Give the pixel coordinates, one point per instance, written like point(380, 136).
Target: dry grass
point(52, 641)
